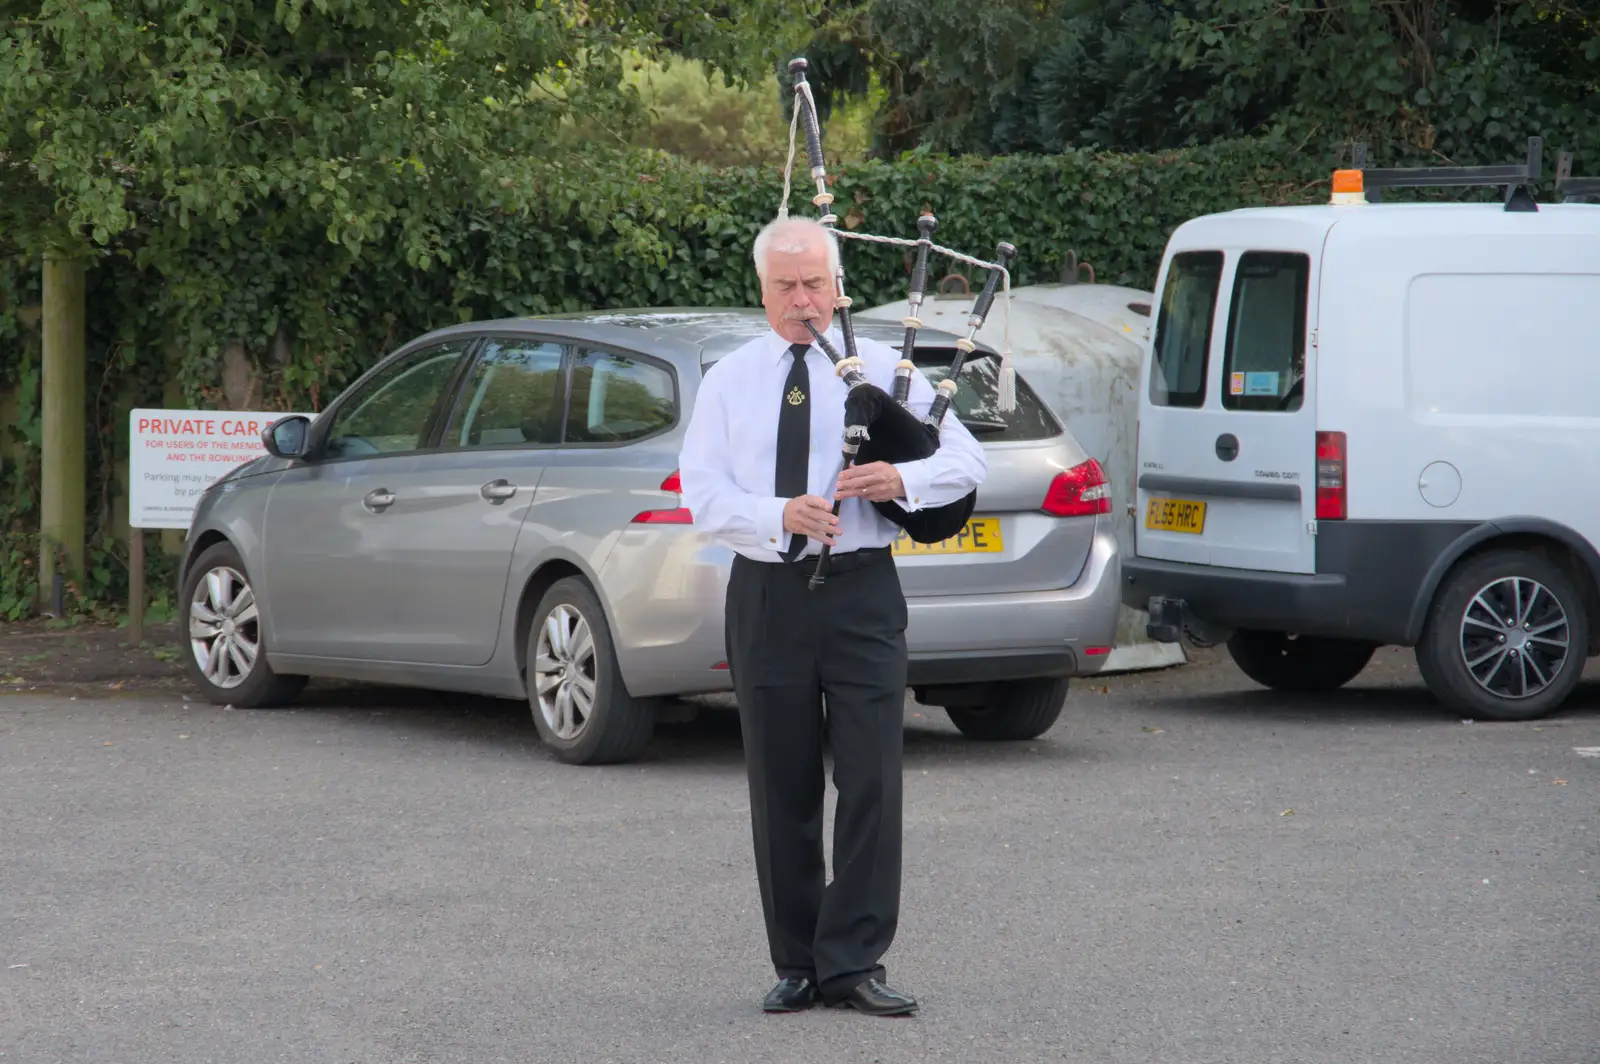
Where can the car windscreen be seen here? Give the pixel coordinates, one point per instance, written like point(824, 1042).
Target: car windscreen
point(977, 400)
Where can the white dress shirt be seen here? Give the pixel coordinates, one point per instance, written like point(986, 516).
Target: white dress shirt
point(727, 465)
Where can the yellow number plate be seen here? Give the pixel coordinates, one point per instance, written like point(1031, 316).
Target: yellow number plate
point(1176, 515)
point(980, 536)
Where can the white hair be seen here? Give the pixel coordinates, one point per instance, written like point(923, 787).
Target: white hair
point(806, 235)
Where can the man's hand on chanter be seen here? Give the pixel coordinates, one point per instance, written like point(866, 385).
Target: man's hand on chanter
point(875, 482)
point(812, 517)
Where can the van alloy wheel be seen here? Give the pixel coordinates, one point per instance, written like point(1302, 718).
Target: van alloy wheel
point(1505, 636)
point(564, 672)
point(224, 627)
point(1514, 637)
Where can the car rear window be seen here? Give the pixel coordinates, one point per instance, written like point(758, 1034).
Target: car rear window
point(977, 400)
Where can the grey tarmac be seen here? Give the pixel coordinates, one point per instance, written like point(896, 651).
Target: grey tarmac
point(1186, 870)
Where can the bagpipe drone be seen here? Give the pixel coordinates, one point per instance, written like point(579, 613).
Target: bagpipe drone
point(880, 427)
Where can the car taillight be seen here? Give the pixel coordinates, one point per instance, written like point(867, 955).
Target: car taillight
point(678, 516)
point(1331, 485)
point(1079, 492)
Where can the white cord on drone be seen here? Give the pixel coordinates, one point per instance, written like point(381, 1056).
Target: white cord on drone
point(788, 166)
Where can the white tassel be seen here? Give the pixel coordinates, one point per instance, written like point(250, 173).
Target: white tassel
point(1008, 375)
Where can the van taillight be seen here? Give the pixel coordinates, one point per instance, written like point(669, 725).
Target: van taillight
point(678, 516)
point(1079, 492)
point(1331, 477)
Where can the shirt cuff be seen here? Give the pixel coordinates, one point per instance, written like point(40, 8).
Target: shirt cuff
point(769, 524)
point(914, 479)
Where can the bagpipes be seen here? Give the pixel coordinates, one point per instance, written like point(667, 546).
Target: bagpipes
point(880, 427)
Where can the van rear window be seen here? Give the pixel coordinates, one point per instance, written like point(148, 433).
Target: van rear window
point(1265, 360)
point(977, 400)
point(1183, 329)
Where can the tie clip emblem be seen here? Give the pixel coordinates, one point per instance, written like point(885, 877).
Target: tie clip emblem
point(796, 397)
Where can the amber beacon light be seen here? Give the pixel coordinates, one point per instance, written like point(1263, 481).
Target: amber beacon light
point(1348, 187)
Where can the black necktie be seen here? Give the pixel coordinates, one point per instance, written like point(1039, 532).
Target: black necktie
point(794, 439)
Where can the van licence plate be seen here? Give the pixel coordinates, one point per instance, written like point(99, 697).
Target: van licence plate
point(1175, 515)
point(980, 536)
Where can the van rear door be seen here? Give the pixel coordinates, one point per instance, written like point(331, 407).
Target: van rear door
point(1227, 426)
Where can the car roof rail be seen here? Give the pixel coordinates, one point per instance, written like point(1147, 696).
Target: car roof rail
point(1575, 189)
point(1517, 178)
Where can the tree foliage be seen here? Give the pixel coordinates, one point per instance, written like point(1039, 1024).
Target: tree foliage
point(1441, 80)
point(355, 118)
point(694, 117)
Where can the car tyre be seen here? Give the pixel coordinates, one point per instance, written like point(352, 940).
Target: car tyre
point(226, 642)
point(1484, 668)
point(1304, 664)
point(1016, 710)
point(580, 705)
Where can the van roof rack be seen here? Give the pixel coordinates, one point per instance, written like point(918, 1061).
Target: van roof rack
point(1574, 189)
point(1517, 178)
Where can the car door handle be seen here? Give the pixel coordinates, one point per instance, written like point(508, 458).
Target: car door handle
point(496, 490)
point(378, 499)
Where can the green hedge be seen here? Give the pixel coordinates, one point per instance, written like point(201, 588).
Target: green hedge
point(683, 239)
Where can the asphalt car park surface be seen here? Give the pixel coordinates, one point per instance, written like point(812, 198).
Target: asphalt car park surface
point(1186, 869)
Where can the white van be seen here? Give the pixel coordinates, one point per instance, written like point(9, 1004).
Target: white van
point(1366, 424)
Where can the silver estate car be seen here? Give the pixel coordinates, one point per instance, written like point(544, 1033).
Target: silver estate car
point(494, 509)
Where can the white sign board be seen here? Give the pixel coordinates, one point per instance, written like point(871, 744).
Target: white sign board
point(174, 455)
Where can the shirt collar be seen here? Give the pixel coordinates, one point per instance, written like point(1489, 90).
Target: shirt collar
point(778, 346)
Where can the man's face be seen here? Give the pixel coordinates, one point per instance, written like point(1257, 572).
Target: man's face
point(797, 288)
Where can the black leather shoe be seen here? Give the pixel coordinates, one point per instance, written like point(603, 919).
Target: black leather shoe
point(794, 994)
point(875, 998)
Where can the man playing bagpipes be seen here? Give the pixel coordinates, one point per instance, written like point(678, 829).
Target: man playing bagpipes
point(815, 614)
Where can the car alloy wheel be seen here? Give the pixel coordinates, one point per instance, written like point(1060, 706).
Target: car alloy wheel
point(576, 695)
point(564, 672)
point(1514, 637)
point(224, 627)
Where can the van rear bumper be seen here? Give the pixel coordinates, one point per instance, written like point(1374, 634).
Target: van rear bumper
point(1180, 596)
point(1371, 584)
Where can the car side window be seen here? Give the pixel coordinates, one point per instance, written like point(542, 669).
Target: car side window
point(614, 399)
point(394, 410)
point(512, 396)
point(1183, 329)
point(1264, 362)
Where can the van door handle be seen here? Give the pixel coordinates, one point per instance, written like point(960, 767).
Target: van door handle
point(496, 490)
point(378, 499)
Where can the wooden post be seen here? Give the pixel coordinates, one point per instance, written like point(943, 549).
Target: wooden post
point(62, 497)
point(136, 585)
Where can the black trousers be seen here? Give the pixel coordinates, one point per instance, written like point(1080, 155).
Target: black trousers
point(806, 663)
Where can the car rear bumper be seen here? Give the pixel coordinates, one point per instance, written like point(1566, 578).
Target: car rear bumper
point(670, 642)
point(975, 638)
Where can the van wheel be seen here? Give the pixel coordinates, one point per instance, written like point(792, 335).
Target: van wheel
point(1306, 664)
point(580, 705)
point(226, 642)
point(1015, 710)
point(1504, 638)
